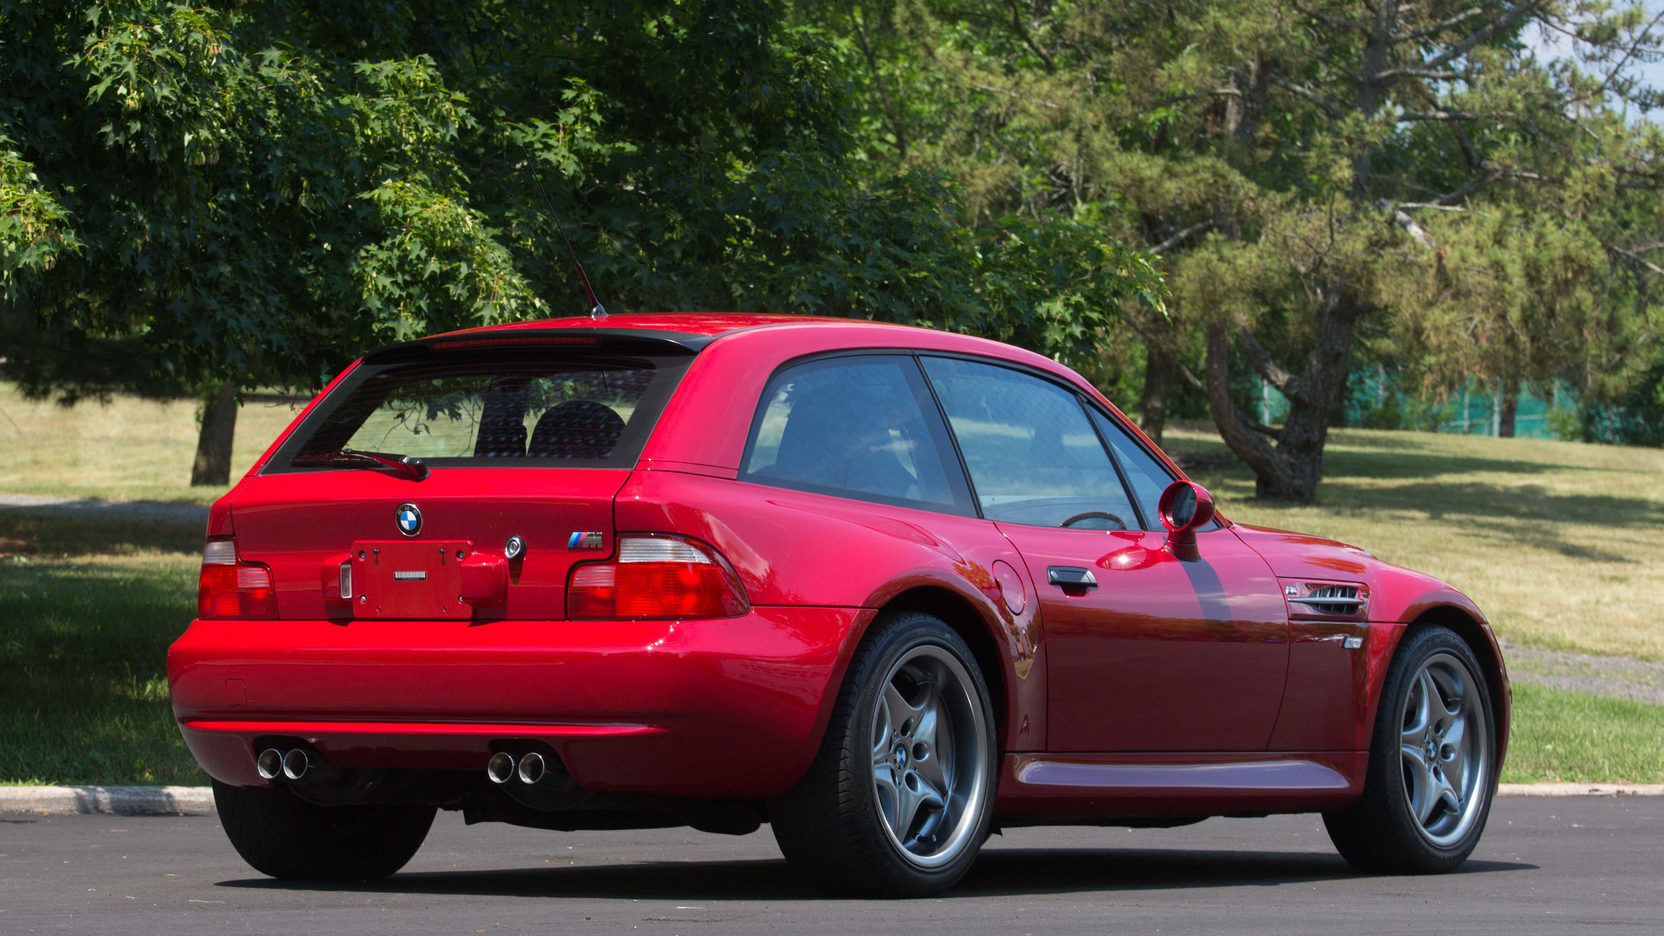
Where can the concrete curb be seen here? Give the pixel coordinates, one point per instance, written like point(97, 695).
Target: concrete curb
point(199, 801)
point(1580, 789)
point(108, 800)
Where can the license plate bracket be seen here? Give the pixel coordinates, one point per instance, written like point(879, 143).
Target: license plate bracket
point(408, 580)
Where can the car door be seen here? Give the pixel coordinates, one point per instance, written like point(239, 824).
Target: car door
point(1146, 651)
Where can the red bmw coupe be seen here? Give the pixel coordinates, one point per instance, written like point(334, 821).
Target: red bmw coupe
point(884, 588)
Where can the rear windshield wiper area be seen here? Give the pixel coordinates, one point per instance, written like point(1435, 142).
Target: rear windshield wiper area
point(404, 466)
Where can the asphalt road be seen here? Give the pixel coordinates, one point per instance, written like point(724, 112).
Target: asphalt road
point(1545, 866)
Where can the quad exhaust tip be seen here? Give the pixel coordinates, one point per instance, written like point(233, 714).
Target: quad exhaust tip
point(532, 768)
point(295, 764)
point(278, 764)
point(269, 764)
point(501, 767)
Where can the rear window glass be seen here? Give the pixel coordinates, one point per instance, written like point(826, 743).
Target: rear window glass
point(547, 409)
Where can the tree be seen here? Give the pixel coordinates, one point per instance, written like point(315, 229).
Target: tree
point(236, 196)
point(224, 197)
point(1281, 157)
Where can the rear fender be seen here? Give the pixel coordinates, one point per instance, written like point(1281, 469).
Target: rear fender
point(795, 548)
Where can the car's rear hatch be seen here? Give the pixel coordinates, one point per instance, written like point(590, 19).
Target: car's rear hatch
point(524, 436)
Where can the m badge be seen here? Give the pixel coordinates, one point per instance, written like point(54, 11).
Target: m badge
point(409, 519)
point(592, 541)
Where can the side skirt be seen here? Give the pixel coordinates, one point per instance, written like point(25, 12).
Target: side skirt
point(1092, 789)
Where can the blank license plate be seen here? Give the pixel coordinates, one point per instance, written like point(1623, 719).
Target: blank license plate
point(409, 580)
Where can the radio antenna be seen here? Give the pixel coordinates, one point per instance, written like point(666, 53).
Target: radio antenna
point(597, 311)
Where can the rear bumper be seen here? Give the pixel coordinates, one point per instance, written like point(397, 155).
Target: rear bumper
point(726, 708)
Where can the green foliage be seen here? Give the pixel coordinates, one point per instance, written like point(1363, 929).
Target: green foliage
point(201, 192)
point(436, 252)
point(1410, 180)
point(156, 78)
point(1636, 418)
point(34, 228)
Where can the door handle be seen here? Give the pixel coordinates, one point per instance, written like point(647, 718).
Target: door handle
point(1070, 578)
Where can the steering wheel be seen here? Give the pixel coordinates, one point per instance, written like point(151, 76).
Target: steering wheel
point(1095, 515)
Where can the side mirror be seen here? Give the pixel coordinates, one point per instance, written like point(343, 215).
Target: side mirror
point(1185, 507)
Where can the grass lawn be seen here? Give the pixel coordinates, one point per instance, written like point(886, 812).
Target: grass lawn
point(127, 450)
point(1558, 542)
point(87, 610)
point(1582, 738)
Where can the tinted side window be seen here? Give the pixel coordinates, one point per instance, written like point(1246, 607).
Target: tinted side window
point(861, 427)
point(1032, 454)
point(1146, 476)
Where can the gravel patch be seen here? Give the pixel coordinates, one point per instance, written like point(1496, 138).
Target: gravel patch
point(1613, 677)
point(50, 505)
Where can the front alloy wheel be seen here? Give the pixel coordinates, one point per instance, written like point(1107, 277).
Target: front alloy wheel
point(1445, 747)
point(899, 799)
point(1432, 763)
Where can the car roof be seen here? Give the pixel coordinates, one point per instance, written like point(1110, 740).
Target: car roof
point(696, 330)
point(690, 324)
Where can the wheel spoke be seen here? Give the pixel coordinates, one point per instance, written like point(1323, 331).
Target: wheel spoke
point(930, 719)
point(904, 715)
point(907, 808)
point(1418, 718)
point(1447, 691)
point(1418, 778)
point(887, 790)
point(1448, 796)
point(882, 728)
point(1455, 740)
point(929, 799)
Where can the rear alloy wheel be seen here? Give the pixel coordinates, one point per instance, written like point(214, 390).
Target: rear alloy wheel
point(1432, 770)
point(283, 836)
point(899, 800)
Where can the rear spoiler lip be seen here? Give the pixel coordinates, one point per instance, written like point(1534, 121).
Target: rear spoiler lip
point(534, 337)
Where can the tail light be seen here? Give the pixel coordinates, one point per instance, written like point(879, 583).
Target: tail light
point(230, 588)
point(656, 576)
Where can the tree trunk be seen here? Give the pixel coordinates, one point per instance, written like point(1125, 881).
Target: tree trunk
point(1306, 431)
point(213, 441)
point(1509, 408)
point(1272, 475)
point(1292, 469)
point(1158, 377)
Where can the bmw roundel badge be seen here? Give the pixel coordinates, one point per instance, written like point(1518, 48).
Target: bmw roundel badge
point(409, 519)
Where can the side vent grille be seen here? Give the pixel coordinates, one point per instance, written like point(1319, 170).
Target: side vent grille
point(1324, 598)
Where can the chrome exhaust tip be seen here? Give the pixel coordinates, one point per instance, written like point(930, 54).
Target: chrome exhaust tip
point(532, 768)
point(269, 764)
point(500, 768)
point(295, 764)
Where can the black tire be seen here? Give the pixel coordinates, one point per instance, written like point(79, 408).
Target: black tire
point(1381, 832)
point(283, 836)
point(835, 825)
